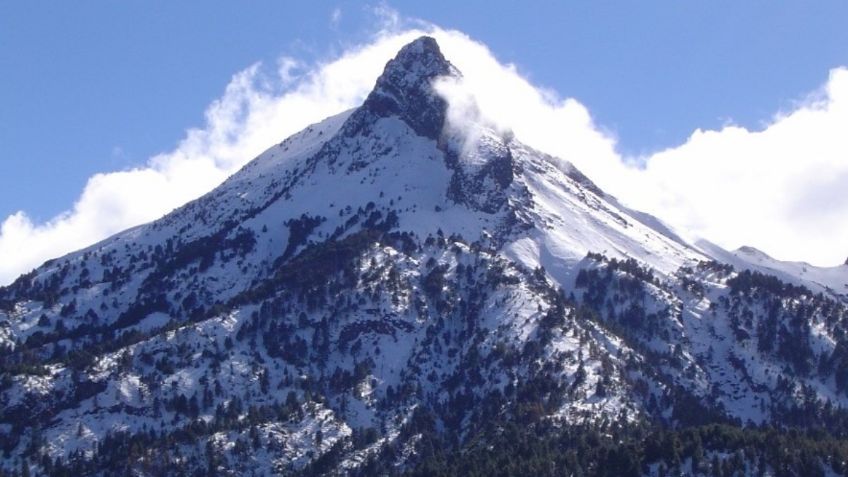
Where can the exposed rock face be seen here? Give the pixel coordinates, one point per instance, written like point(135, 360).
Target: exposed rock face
point(405, 90)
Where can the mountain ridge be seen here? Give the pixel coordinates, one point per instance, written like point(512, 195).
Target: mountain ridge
point(378, 291)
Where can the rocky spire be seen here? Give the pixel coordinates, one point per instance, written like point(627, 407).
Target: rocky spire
point(405, 88)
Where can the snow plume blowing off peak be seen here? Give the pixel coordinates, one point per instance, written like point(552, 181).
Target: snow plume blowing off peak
point(426, 91)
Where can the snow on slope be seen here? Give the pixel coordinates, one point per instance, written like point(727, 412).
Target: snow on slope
point(569, 215)
point(377, 263)
point(575, 218)
point(830, 280)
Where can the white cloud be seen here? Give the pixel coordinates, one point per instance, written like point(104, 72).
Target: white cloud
point(256, 111)
point(538, 117)
point(783, 189)
point(779, 189)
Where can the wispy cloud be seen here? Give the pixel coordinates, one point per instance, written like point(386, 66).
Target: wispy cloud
point(778, 188)
point(335, 17)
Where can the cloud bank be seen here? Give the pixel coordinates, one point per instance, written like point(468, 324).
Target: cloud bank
point(780, 189)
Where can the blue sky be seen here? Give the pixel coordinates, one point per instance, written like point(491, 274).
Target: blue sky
point(91, 87)
point(97, 86)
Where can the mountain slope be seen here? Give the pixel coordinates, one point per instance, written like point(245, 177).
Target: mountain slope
point(829, 280)
point(385, 287)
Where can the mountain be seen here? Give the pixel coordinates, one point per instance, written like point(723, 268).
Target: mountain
point(832, 281)
point(386, 293)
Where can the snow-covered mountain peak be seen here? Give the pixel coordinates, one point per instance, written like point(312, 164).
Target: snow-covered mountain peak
point(390, 277)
